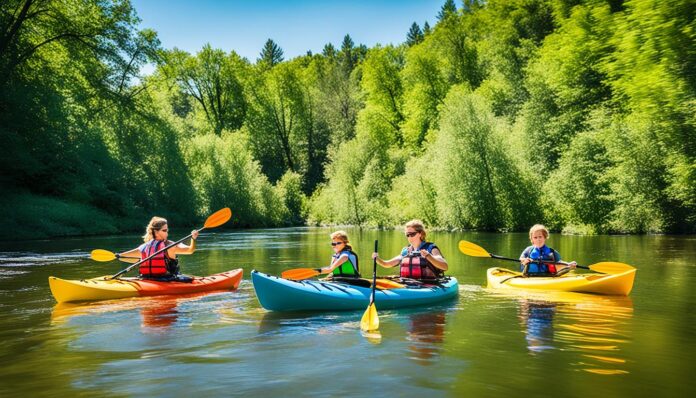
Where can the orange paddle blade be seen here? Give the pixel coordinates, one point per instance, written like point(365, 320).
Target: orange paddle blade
point(610, 267)
point(385, 284)
point(472, 249)
point(299, 274)
point(218, 218)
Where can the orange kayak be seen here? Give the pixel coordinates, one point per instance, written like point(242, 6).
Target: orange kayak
point(103, 288)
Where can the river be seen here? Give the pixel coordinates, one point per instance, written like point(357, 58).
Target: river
point(483, 344)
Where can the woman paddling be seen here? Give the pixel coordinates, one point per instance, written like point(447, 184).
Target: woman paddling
point(420, 259)
point(165, 265)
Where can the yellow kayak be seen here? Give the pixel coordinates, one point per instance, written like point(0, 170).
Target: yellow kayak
point(619, 284)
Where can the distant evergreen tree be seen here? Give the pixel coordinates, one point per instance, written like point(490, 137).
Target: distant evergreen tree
point(426, 28)
point(415, 35)
point(348, 56)
point(309, 53)
point(448, 9)
point(470, 5)
point(329, 50)
point(271, 54)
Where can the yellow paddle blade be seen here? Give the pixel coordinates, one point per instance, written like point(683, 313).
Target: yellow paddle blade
point(102, 255)
point(610, 267)
point(370, 320)
point(299, 274)
point(218, 218)
point(472, 249)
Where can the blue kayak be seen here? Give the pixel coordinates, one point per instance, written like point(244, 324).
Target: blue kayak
point(278, 294)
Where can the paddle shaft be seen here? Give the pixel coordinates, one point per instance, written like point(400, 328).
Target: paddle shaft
point(541, 261)
point(154, 254)
point(374, 276)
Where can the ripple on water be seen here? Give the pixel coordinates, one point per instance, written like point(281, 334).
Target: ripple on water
point(30, 259)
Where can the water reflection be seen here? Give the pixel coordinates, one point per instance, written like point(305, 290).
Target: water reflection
point(426, 333)
point(537, 321)
point(156, 313)
point(592, 326)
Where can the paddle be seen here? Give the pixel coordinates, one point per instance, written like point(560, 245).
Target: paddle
point(370, 320)
point(299, 274)
point(105, 255)
point(605, 267)
point(215, 220)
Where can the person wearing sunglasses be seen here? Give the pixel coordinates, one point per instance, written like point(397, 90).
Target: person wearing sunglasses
point(165, 265)
point(420, 259)
point(344, 262)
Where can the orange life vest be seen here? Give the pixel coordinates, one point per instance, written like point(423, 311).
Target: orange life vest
point(415, 266)
point(159, 265)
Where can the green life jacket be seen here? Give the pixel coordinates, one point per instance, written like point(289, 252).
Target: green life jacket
point(350, 267)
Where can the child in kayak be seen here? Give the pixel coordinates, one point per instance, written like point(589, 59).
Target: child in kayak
point(420, 259)
point(163, 266)
point(344, 262)
point(531, 256)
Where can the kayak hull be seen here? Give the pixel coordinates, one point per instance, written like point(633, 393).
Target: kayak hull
point(619, 284)
point(278, 294)
point(102, 288)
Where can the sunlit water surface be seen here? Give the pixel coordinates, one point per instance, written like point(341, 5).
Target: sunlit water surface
point(482, 344)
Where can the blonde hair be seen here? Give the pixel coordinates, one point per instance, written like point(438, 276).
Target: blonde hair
point(343, 237)
point(418, 226)
point(538, 227)
point(156, 223)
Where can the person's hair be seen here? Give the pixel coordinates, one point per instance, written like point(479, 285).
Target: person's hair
point(343, 237)
point(418, 226)
point(156, 223)
point(538, 227)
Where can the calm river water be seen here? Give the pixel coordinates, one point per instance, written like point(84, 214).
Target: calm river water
point(483, 344)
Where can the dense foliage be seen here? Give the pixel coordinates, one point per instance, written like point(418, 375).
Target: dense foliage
point(578, 114)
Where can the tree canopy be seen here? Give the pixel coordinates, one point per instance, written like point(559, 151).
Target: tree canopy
point(504, 113)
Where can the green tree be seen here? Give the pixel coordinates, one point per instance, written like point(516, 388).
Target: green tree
point(425, 88)
point(383, 89)
point(214, 80)
point(478, 184)
point(426, 28)
point(566, 83)
point(447, 10)
point(415, 35)
point(329, 50)
point(271, 54)
point(348, 55)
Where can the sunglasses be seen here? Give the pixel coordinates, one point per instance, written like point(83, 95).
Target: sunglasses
point(411, 234)
point(336, 243)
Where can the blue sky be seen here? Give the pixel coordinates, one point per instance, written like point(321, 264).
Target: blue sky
point(297, 26)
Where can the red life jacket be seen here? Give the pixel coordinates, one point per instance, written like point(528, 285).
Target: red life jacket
point(415, 266)
point(158, 265)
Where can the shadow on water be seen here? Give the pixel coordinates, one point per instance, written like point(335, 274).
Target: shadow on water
point(592, 326)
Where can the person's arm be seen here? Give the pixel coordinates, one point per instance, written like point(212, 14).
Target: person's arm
point(387, 263)
point(525, 260)
point(135, 253)
point(435, 258)
point(334, 264)
point(186, 249)
point(524, 257)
